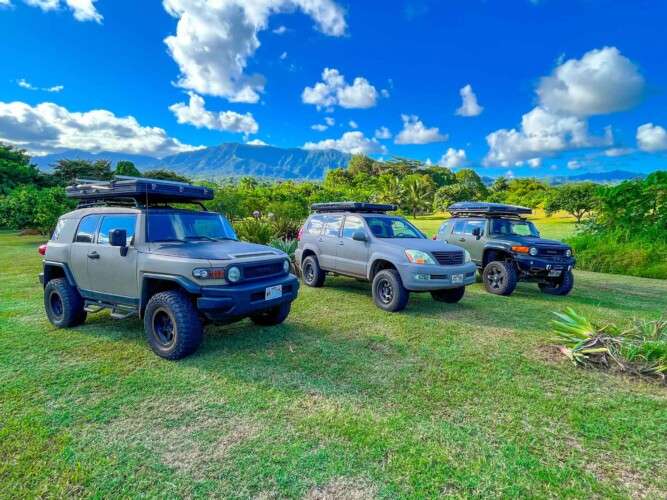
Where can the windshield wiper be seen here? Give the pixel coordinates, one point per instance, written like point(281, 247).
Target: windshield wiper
point(200, 237)
point(167, 240)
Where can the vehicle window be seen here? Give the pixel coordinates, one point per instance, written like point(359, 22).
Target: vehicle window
point(518, 227)
point(332, 225)
point(57, 232)
point(188, 226)
point(459, 227)
point(351, 226)
point(315, 225)
point(111, 222)
point(444, 229)
point(87, 227)
point(393, 227)
point(472, 224)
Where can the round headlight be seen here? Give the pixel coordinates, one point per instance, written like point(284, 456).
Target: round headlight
point(286, 266)
point(533, 251)
point(568, 253)
point(233, 274)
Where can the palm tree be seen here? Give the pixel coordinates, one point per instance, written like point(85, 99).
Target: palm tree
point(417, 195)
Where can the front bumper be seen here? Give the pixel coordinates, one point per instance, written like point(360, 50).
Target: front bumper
point(539, 268)
point(420, 277)
point(232, 302)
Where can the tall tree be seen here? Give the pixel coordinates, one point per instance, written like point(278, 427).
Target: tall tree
point(67, 171)
point(417, 194)
point(165, 175)
point(125, 167)
point(577, 199)
point(16, 170)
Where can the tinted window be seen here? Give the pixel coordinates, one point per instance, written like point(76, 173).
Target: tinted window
point(332, 225)
point(444, 229)
point(87, 227)
point(472, 224)
point(458, 227)
point(57, 232)
point(517, 227)
point(315, 225)
point(352, 225)
point(188, 226)
point(111, 222)
point(392, 227)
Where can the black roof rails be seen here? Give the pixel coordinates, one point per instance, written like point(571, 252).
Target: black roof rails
point(125, 190)
point(352, 206)
point(463, 208)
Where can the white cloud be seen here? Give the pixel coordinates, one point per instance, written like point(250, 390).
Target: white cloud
point(23, 83)
point(415, 132)
point(350, 142)
point(5, 3)
point(469, 105)
point(48, 127)
point(215, 39)
point(615, 152)
point(353, 124)
point(383, 133)
point(651, 137)
point(195, 113)
point(319, 127)
point(329, 120)
point(83, 10)
point(541, 133)
point(283, 56)
point(280, 30)
point(534, 162)
point(256, 142)
point(602, 81)
point(334, 90)
point(453, 158)
point(574, 164)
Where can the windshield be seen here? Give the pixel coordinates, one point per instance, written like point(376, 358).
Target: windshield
point(504, 227)
point(188, 226)
point(393, 227)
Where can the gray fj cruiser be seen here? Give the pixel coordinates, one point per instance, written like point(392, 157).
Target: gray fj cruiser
point(507, 248)
point(361, 240)
point(126, 249)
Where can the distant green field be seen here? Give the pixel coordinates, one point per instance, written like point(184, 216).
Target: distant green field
point(558, 226)
point(341, 401)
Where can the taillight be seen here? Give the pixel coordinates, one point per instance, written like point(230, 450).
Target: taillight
point(298, 235)
point(435, 237)
point(42, 249)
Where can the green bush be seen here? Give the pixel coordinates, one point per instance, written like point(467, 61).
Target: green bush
point(255, 230)
point(30, 208)
point(286, 245)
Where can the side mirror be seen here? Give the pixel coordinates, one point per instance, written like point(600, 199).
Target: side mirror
point(359, 236)
point(118, 238)
point(477, 232)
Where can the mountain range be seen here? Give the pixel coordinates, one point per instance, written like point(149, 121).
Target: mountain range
point(225, 160)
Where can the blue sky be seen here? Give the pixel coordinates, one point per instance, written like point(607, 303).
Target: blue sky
point(556, 87)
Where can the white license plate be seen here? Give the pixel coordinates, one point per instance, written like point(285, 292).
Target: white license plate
point(273, 292)
point(554, 273)
point(457, 278)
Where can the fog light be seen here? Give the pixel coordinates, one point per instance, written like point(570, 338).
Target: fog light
point(233, 274)
point(548, 267)
point(423, 277)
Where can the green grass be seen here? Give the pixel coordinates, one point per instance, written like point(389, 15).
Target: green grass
point(342, 399)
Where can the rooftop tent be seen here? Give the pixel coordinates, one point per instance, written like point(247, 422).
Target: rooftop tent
point(139, 190)
point(486, 208)
point(352, 206)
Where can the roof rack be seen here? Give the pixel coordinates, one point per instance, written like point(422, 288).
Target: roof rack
point(463, 208)
point(352, 206)
point(136, 191)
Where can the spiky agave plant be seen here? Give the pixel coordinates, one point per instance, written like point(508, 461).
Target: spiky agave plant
point(288, 246)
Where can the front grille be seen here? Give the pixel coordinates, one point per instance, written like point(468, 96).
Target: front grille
point(551, 252)
point(448, 258)
point(262, 270)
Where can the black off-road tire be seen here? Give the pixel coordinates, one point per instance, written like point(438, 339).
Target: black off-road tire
point(449, 295)
point(273, 316)
point(311, 272)
point(389, 293)
point(563, 287)
point(500, 277)
point(63, 304)
point(172, 325)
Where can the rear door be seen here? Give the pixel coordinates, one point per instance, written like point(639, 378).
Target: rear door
point(329, 241)
point(474, 244)
point(352, 256)
point(82, 250)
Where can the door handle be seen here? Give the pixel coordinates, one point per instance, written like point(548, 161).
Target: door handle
point(93, 255)
point(341, 243)
point(462, 239)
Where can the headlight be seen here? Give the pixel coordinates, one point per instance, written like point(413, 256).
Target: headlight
point(200, 273)
point(209, 273)
point(467, 257)
point(419, 257)
point(533, 251)
point(286, 266)
point(233, 274)
point(568, 252)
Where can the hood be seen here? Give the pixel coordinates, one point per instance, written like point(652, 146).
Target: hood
point(531, 241)
point(213, 250)
point(424, 245)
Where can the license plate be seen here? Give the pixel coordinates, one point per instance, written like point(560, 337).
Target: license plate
point(273, 292)
point(457, 278)
point(554, 273)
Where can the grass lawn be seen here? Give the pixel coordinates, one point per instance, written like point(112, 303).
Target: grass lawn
point(343, 400)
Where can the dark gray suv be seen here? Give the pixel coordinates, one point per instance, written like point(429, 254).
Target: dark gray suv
point(361, 240)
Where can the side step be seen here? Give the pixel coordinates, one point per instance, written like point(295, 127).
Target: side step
point(117, 311)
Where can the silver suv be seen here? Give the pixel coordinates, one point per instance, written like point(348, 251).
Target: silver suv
point(126, 250)
point(361, 240)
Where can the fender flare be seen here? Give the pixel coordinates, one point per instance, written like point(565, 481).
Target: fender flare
point(66, 271)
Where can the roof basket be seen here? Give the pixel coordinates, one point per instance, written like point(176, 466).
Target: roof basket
point(463, 208)
point(352, 206)
point(135, 191)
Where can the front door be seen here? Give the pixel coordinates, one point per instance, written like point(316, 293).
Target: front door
point(329, 241)
point(352, 255)
point(474, 243)
point(82, 250)
point(111, 273)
